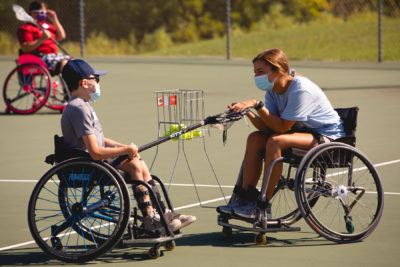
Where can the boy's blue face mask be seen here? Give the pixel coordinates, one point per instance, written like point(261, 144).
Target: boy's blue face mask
point(263, 83)
point(94, 96)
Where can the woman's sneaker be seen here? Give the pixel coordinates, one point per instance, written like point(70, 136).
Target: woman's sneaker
point(247, 209)
point(250, 209)
point(227, 209)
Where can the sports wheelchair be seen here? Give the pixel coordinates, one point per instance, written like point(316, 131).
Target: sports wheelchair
point(30, 85)
point(81, 208)
point(335, 188)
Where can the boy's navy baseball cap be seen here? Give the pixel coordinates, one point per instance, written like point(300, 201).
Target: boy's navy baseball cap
point(78, 69)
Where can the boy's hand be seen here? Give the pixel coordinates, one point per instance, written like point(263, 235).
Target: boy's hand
point(133, 151)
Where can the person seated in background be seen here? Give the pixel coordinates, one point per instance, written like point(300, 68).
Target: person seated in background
point(34, 40)
point(82, 130)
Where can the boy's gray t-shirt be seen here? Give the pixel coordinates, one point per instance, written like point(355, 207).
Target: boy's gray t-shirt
point(305, 103)
point(79, 119)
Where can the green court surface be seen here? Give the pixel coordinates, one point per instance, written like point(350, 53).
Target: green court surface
point(128, 112)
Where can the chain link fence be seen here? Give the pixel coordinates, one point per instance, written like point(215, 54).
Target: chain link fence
point(127, 27)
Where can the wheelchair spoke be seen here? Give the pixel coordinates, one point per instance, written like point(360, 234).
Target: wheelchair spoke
point(341, 176)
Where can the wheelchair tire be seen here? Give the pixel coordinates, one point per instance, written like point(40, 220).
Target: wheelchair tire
point(59, 96)
point(78, 210)
point(349, 192)
point(26, 88)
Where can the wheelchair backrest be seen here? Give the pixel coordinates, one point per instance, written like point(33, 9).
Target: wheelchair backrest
point(63, 152)
point(349, 118)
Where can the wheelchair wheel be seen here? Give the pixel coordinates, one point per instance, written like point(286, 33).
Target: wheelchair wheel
point(27, 88)
point(349, 192)
point(78, 210)
point(58, 97)
point(283, 203)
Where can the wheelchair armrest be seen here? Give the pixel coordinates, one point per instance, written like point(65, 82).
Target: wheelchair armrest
point(349, 140)
point(50, 159)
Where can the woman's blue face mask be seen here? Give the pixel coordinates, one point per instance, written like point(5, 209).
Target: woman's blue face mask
point(263, 83)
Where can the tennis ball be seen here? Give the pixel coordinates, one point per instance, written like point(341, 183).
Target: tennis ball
point(187, 136)
point(197, 133)
point(176, 127)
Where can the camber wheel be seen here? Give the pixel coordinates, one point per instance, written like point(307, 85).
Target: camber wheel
point(349, 192)
point(27, 88)
point(78, 210)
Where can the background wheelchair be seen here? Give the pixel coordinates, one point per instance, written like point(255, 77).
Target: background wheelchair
point(335, 188)
point(30, 85)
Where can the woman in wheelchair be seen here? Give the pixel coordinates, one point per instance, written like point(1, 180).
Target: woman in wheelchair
point(296, 114)
point(81, 129)
point(35, 41)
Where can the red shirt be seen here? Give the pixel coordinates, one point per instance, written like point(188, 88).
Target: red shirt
point(30, 32)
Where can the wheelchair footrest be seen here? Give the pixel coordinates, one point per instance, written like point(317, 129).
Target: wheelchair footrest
point(151, 240)
point(271, 227)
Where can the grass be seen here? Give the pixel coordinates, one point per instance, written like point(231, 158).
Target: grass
point(325, 39)
point(351, 41)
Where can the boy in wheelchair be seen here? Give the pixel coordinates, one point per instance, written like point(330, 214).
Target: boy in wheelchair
point(291, 102)
point(82, 130)
point(35, 41)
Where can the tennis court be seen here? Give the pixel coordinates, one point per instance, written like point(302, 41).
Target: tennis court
point(127, 110)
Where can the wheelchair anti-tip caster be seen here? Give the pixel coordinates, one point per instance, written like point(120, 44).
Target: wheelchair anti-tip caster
point(154, 252)
point(169, 245)
point(260, 239)
point(226, 231)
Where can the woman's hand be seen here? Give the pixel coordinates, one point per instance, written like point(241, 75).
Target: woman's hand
point(241, 106)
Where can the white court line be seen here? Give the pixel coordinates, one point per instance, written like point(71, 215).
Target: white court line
point(186, 206)
point(178, 208)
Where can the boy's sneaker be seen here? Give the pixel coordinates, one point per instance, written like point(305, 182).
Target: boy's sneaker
point(184, 220)
point(247, 209)
point(153, 222)
point(227, 209)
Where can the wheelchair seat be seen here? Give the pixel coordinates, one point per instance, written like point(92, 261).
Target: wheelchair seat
point(349, 119)
point(30, 58)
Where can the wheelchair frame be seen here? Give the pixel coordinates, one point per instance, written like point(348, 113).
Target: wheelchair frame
point(30, 86)
point(81, 208)
point(321, 196)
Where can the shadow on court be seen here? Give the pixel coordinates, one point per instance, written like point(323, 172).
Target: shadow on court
point(246, 239)
point(139, 252)
point(34, 256)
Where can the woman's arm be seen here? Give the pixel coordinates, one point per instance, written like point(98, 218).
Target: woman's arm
point(274, 122)
point(266, 119)
point(98, 153)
